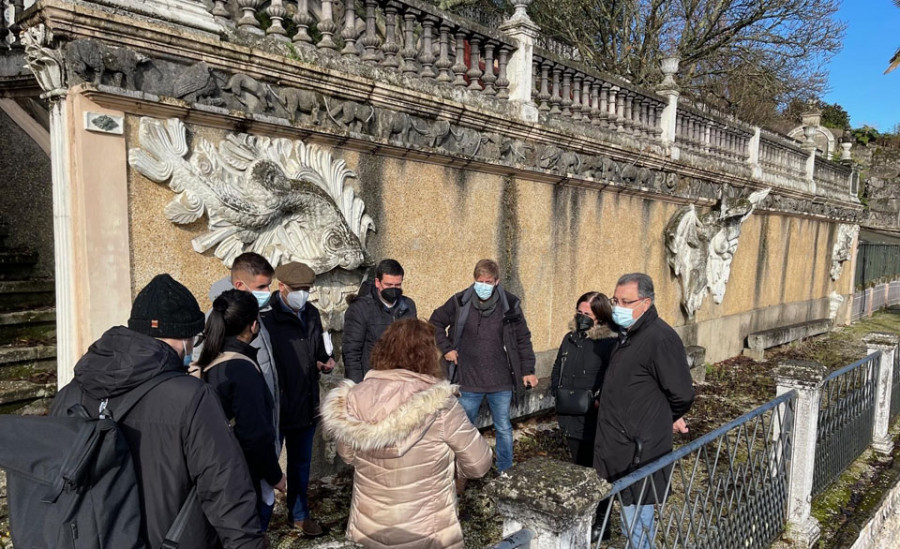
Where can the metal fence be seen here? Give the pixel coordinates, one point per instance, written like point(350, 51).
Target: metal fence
point(846, 416)
point(876, 261)
point(725, 489)
point(895, 386)
point(872, 299)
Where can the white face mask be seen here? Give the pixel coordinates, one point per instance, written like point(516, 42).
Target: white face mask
point(297, 299)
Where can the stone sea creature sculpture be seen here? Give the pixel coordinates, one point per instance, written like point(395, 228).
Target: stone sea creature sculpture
point(281, 198)
point(700, 249)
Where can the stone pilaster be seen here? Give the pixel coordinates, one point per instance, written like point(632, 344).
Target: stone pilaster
point(887, 344)
point(806, 378)
point(523, 33)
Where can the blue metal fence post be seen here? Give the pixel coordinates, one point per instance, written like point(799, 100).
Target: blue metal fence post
point(887, 344)
point(806, 378)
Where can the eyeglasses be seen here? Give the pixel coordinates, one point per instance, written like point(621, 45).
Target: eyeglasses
point(614, 302)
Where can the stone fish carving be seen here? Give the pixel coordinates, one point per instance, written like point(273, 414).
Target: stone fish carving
point(699, 249)
point(843, 245)
point(283, 199)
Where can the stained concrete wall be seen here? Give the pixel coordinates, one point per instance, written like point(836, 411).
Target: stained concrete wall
point(553, 243)
point(26, 203)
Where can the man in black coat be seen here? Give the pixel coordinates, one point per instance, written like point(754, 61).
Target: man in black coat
point(298, 350)
point(370, 314)
point(177, 433)
point(483, 335)
point(646, 388)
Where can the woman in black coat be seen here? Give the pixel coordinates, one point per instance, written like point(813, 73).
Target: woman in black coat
point(228, 363)
point(580, 366)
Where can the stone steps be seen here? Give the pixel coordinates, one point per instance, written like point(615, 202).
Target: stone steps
point(16, 264)
point(19, 391)
point(17, 295)
point(32, 325)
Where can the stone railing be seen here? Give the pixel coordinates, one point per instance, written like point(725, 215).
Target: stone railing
point(704, 133)
point(783, 163)
point(563, 90)
point(10, 10)
point(832, 179)
point(416, 38)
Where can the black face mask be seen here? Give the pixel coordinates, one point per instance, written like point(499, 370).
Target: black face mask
point(583, 322)
point(391, 295)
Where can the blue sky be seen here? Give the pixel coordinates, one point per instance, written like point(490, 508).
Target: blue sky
point(856, 74)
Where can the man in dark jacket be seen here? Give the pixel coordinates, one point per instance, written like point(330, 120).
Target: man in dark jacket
point(370, 314)
point(298, 350)
point(177, 433)
point(483, 335)
point(647, 387)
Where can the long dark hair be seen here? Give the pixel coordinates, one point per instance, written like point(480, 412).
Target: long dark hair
point(232, 313)
point(599, 304)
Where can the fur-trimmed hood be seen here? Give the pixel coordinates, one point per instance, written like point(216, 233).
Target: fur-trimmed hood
point(598, 331)
point(387, 413)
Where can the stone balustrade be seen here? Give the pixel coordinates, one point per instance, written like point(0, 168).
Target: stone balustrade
point(780, 159)
point(10, 10)
point(563, 90)
point(833, 180)
point(416, 39)
point(700, 132)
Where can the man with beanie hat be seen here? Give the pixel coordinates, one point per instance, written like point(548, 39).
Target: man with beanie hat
point(298, 350)
point(177, 433)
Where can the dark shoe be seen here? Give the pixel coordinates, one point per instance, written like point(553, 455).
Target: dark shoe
point(309, 527)
point(597, 533)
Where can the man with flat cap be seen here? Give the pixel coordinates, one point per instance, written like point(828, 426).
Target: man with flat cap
point(177, 432)
point(298, 350)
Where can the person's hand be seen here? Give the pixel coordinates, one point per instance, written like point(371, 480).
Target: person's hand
point(326, 367)
point(282, 484)
point(530, 381)
point(680, 426)
point(451, 356)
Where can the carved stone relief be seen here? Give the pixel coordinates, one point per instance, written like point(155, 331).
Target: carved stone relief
point(843, 246)
point(700, 249)
point(43, 60)
point(281, 198)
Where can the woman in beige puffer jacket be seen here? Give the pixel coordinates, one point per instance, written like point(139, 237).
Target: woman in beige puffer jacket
point(402, 429)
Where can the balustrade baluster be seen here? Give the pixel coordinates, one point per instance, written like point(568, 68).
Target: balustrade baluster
point(303, 20)
point(349, 33)
point(603, 118)
point(576, 95)
point(643, 110)
point(443, 63)
point(567, 94)
point(327, 26)
point(459, 67)
point(586, 99)
point(545, 84)
point(409, 51)
point(597, 105)
point(536, 73)
point(657, 120)
point(220, 10)
point(426, 57)
point(619, 106)
point(555, 96)
point(474, 72)
point(489, 77)
point(391, 46)
point(248, 21)
point(502, 80)
point(371, 41)
point(276, 13)
point(628, 113)
point(679, 127)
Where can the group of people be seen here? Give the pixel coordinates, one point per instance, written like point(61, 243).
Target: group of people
point(405, 416)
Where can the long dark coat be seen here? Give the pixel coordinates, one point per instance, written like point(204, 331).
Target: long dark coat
point(364, 322)
point(646, 388)
point(580, 364)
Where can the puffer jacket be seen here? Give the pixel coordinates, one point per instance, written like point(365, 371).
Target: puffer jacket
point(580, 364)
point(403, 432)
point(178, 436)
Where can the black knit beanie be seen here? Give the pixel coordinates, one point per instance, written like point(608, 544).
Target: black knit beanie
point(165, 308)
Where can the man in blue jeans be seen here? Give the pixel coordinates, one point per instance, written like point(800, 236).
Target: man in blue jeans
point(487, 350)
point(298, 350)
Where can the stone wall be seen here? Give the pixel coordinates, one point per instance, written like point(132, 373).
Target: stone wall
point(26, 203)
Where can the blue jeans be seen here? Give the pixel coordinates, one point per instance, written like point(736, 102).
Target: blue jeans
point(265, 514)
point(499, 403)
point(299, 445)
point(638, 526)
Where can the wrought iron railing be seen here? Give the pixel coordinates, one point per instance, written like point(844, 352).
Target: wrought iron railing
point(846, 417)
point(726, 489)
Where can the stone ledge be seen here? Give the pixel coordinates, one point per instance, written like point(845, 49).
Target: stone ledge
point(758, 342)
point(11, 355)
point(28, 317)
point(18, 391)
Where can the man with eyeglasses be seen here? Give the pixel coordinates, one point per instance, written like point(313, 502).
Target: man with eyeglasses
point(646, 391)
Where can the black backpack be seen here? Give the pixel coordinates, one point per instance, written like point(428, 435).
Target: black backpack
point(71, 481)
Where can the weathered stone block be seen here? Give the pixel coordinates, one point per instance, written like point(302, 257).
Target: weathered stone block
point(758, 342)
point(696, 358)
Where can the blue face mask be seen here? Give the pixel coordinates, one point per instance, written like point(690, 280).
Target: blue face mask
point(188, 357)
point(262, 298)
point(483, 290)
point(623, 316)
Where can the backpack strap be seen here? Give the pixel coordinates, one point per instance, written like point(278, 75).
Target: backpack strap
point(200, 373)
